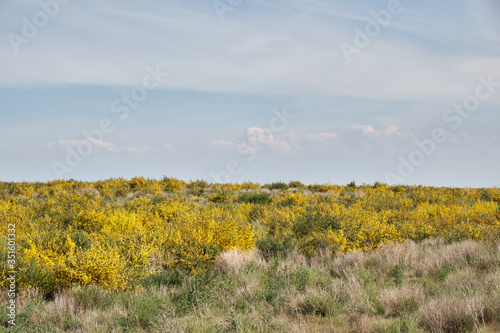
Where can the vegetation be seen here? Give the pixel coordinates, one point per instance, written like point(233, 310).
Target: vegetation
point(396, 288)
point(167, 255)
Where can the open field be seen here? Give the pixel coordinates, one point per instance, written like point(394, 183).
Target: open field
point(426, 287)
point(144, 255)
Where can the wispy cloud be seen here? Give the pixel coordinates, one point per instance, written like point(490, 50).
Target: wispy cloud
point(294, 53)
point(226, 78)
point(366, 130)
point(223, 144)
point(89, 142)
point(258, 139)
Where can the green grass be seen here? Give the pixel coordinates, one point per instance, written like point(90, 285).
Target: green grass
point(455, 289)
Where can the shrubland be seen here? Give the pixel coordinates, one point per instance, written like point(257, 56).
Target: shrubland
point(168, 255)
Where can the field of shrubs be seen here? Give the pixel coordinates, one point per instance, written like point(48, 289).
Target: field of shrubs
point(168, 255)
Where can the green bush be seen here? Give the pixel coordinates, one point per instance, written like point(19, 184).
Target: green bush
point(459, 323)
point(405, 306)
point(167, 278)
point(319, 305)
point(404, 324)
point(443, 272)
point(397, 274)
point(323, 188)
point(195, 291)
point(273, 247)
point(260, 198)
point(40, 277)
point(300, 278)
point(277, 186)
point(93, 297)
point(296, 184)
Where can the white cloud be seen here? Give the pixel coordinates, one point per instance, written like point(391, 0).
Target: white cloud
point(99, 144)
point(393, 130)
point(366, 130)
point(368, 138)
point(222, 144)
point(260, 138)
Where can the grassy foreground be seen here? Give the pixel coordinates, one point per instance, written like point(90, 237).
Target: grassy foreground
point(429, 286)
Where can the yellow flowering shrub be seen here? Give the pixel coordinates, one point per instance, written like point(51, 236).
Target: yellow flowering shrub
point(115, 232)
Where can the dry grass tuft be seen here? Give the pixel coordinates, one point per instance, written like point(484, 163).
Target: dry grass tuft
point(292, 261)
point(464, 282)
point(64, 304)
point(169, 324)
point(453, 315)
point(248, 289)
point(352, 294)
point(465, 252)
point(403, 300)
point(342, 264)
point(397, 254)
point(88, 190)
point(235, 261)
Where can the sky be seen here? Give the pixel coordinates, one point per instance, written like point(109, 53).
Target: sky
point(395, 91)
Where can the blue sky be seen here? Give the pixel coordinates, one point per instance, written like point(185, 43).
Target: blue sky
point(255, 90)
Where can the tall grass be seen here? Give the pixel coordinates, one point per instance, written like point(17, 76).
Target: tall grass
point(431, 286)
